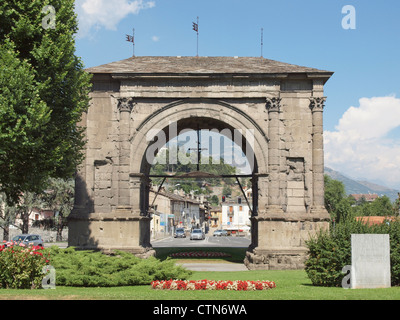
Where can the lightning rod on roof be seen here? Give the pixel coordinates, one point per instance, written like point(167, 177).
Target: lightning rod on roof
point(262, 41)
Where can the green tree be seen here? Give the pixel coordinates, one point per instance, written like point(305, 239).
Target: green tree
point(214, 200)
point(27, 202)
point(23, 117)
point(59, 197)
point(336, 202)
point(7, 216)
point(161, 166)
point(47, 96)
point(382, 206)
point(379, 207)
point(227, 191)
point(396, 206)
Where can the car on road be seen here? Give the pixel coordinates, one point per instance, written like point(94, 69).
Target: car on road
point(28, 239)
point(220, 233)
point(180, 233)
point(197, 234)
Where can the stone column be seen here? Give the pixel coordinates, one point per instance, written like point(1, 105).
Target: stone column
point(274, 201)
point(125, 106)
point(317, 106)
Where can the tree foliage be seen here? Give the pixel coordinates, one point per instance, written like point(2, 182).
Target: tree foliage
point(44, 91)
point(93, 269)
point(23, 117)
point(207, 164)
point(330, 251)
point(59, 197)
point(336, 202)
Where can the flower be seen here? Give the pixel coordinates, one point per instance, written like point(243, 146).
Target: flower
point(237, 285)
point(199, 254)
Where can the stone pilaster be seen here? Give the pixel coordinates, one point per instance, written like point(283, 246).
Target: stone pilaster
point(125, 106)
point(274, 201)
point(81, 198)
point(317, 107)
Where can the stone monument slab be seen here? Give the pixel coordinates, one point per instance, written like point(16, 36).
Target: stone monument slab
point(370, 261)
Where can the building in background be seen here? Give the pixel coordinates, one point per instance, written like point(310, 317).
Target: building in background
point(368, 197)
point(235, 216)
point(176, 210)
point(215, 217)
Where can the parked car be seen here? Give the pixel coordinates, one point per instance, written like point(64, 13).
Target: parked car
point(220, 233)
point(180, 233)
point(197, 234)
point(29, 239)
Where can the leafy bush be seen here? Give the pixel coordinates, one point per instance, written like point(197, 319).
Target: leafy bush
point(330, 251)
point(21, 266)
point(95, 269)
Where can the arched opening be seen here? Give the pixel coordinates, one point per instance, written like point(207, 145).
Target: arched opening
point(192, 164)
point(194, 115)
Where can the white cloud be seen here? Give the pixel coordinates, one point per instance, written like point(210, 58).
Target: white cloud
point(155, 38)
point(106, 13)
point(361, 147)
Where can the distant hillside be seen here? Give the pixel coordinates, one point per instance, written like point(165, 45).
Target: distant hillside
point(353, 186)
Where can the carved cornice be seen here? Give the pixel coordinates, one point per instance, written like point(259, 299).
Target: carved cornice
point(273, 104)
point(317, 103)
point(125, 104)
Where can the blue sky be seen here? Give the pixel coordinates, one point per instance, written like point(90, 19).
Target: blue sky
point(362, 132)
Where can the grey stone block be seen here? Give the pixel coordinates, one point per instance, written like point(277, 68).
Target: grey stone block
point(370, 261)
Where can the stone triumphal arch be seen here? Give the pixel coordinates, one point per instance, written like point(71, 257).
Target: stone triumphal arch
point(134, 99)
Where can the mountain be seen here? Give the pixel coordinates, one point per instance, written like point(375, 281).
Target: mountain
point(354, 186)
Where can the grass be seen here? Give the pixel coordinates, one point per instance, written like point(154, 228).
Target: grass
point(291, 285)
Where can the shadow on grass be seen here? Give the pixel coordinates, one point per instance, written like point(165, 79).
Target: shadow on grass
point(236, 255)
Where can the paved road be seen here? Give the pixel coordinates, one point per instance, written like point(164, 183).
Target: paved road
point(209, 241)
point(58, 244)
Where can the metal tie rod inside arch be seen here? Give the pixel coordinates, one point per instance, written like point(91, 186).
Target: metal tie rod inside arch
point(199, 174)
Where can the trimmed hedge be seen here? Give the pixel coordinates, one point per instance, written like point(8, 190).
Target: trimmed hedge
point(95, 269)
point(330, 251)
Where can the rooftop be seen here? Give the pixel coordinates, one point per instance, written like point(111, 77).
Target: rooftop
point(367, 196)
point(201, 65)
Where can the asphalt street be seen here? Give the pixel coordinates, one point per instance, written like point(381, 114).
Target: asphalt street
point(209, 241)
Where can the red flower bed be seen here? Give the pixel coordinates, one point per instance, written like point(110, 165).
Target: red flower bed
point(199, 254)
point(237, 285)
point(21, 266)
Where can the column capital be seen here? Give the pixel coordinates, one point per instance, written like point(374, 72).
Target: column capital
point(317, 103)
point(125, 104)
point(273, 104)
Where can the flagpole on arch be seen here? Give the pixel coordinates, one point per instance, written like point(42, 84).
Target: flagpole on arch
point(196, 28)
point(131, 38)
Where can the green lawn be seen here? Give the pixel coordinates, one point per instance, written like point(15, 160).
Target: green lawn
point(291, 285)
